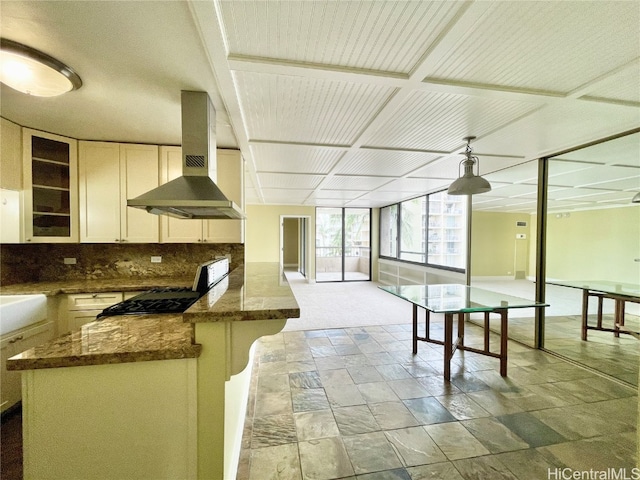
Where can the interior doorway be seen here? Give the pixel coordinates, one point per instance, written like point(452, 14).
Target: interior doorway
point(294, 243)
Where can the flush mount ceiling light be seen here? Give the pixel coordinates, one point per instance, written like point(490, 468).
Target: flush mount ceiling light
point(469, 183)
point(33, 72)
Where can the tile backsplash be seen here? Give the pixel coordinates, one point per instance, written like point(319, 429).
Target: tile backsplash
point(21, 263)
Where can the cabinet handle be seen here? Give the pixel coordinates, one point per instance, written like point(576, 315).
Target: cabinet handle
point(17, 339)
point(117, 240)
point(94, 295)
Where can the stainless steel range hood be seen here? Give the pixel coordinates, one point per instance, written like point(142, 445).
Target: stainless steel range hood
point(194, 194)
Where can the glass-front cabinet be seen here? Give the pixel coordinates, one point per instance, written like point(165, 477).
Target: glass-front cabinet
point(50, 187)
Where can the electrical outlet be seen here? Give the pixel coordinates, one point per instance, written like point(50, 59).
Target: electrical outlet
point(69, 260)
point(156, 259)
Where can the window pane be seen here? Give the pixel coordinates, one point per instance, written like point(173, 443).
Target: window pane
point(357, 232)
point(447, 230)
point(389, 231)
point(412, 230)
point(328, 244)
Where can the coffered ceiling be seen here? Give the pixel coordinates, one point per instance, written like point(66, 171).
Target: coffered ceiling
point(357, 103)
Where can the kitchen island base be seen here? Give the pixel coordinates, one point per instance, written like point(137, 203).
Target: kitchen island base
point(129, 420)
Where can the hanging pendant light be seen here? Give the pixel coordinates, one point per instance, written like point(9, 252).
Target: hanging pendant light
point(35, 73)
point(469, 183)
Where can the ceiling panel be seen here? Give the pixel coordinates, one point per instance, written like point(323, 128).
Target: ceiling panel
point(415, 185)
point(505, 204)
point(547, 46)
point(349, 182)
point(377, 162)
point(517, 190)
point(439, 121)
point(594, 175)
point(379, 198)
point(325, 194)
point(622, 86)
point(523, 173)
point(386, 36)
point(299, 109)
point(581, 194)
point(289, 181)
point(620, 151)
point(276, 196)
point(294, 158)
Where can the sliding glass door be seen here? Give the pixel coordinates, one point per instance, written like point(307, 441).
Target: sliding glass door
point(343, 244)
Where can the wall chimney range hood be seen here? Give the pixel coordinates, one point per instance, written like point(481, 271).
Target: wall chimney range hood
point(194, 194)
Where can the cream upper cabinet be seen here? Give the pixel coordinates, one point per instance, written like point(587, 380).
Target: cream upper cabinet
point(176, 230)
point(50, 175)
point(110, 173)
point(10, 155)
point(230, 173)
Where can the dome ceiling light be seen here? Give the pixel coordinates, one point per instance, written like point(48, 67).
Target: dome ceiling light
point(35, 73)
point(469, 183)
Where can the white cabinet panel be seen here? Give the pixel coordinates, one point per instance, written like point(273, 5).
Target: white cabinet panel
point(99, 192)
point(110, 173)
point(13, 344)
point(10, 155)
point(176, 230)
point(139, 173)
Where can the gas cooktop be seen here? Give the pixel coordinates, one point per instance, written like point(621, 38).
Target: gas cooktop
point(172, 299)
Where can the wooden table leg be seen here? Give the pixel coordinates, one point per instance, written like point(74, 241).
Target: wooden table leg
point(618, 317)
point(461, 329)
point(448, 344)
point(600, 301)
point(504, 334)
point(585, 312)
point(486, 331)
point(415, 329)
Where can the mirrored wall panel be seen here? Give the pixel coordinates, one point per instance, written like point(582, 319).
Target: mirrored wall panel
point(593, 257)
point(503, 245)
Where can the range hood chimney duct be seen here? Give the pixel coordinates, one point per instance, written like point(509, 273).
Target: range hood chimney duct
point(194, 194)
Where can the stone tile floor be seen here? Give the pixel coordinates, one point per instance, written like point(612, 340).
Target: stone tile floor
point(353, 403)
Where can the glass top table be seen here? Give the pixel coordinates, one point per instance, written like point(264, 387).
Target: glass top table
point(604, 286)
point(619, 292)
point(456, 299)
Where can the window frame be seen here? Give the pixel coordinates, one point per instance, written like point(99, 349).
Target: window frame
point(426, 263)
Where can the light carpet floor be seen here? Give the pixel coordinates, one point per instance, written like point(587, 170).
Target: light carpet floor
point(344, 304)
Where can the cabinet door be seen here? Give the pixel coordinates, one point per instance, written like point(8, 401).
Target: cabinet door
point(176, 230)
point(13, 344)
point(99, 167)
point(10, 155)
point(139, 173)
point(230, 172)
point(10, 391)
point(76, 319)
point(50, 171)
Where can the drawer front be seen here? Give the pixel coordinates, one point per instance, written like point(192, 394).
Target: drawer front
point(93, 301)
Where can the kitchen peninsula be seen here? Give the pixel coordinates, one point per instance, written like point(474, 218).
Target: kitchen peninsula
point(151, 396)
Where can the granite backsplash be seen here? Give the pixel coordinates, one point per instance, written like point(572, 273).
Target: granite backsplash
point(23, 263)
